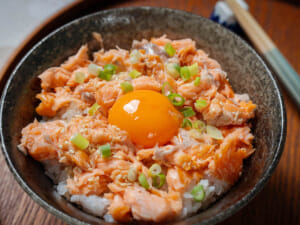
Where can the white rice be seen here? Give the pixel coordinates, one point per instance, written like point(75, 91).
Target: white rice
point(213, 188)
point(92, 204)
point(98, 206)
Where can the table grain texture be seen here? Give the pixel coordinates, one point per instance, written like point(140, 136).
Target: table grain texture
point(279, 202)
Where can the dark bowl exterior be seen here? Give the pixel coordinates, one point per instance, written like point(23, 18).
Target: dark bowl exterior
point(246, 71)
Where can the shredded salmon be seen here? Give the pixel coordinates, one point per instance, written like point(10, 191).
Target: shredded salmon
point(188, 157)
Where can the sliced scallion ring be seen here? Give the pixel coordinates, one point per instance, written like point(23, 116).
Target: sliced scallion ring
point(79, 141)
point(187, 111)
point(105, 75)
point(199, 125)
point(143, 181)
point(176, 99)
point(173, 69)
point(105, 151)
point(163, 89)
point(93, 109)
point(159, 180)
point(79, 77)
point(193, 69)
point(185, 73)
point(169, 49)
point(214, 132)
point(197, 81)
point(201, 103)
point(94, 69)
point(186, 123)
point(155, 169)
point(198, 193)
point(110, 68)
point(134, 74)
point(126, 86)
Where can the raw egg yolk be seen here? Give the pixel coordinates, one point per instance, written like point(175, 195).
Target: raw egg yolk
point(148, 117)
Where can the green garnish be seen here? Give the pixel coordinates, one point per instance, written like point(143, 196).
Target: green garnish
point(93, 109)
point(134, 74)
point(176, 99)
point(185, 73)
point(187, 111)
point(105, 151)
point(199, 125)
point(143, 181)
point(110, 68)
point(186, 123)
point(155, 169)
point(193, 69)
point(126, 86)
point(94, 69)
point(201, 103)
point(79, 141)
point(197, 81)
point(107, 72)
point(214, 132)
point(79, 77)
point(159, 180)
point(198, 193)
point(169, 49)
point(173, 69)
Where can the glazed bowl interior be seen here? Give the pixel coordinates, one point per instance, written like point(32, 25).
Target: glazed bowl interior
point(245, 70)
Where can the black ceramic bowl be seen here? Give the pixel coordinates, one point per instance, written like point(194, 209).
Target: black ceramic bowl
point(246, 71)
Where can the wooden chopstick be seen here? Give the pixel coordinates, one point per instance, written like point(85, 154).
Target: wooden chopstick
point(268, 49)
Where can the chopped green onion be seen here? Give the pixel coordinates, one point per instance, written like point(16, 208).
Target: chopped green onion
point(94, 69)
point(110, 68)
point(79, 77)
point(105, 151)
point(196, 134)
point(176, 99)
point(143, 181)
point(199, 125)
point(163, 89)
point(186, 123)
point(79, 141)
point(214, 132)
point(201, 103)
point(193, 69)
point(132, 174)
point(185, 73)
point(159, 180)
point(197, 81)
point(134, 74)
point(173, 69)
point(134, 56)
point(126, 86)
point(187, 111)
point(155, 169)
point(198, 193)
point(104, 75)
point(93, 109)
point(169, 49)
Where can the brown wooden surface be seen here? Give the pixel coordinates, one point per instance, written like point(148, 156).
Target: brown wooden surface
point(279, 201)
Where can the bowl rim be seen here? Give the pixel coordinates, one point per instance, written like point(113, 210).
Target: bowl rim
point(212, 220)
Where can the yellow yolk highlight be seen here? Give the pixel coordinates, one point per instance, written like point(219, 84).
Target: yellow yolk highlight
point(148, 117)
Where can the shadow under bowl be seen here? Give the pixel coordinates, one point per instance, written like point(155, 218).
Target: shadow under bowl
point(246, 71)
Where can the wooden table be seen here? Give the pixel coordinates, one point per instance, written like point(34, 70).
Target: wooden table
point(279, 201)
